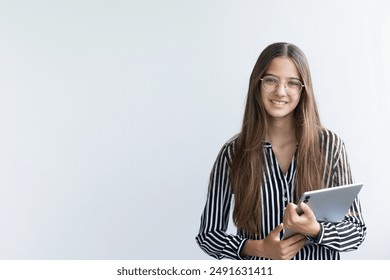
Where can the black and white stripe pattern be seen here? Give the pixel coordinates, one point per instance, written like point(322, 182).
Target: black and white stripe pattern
point(277, 192)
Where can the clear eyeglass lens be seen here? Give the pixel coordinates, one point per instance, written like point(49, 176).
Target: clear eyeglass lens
point(271, 83)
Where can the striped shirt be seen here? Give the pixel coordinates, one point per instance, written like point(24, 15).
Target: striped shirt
point(277, 192)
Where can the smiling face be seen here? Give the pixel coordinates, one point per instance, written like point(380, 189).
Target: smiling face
point(278, 104)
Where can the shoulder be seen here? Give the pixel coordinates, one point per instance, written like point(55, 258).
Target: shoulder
point(332, 144)
point(228, 148)
point(330, 138)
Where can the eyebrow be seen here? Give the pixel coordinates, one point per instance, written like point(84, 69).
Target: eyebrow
point(291, 78)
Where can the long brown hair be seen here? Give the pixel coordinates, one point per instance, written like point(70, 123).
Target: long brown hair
point(246, 170)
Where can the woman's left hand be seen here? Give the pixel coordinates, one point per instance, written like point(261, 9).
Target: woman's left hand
point(306, 223)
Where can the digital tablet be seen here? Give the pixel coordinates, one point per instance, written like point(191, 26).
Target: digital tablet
point(329, 204)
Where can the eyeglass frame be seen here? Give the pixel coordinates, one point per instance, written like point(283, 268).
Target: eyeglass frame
point(280, 82)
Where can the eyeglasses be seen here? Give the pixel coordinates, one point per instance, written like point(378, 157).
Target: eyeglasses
point(271, 83)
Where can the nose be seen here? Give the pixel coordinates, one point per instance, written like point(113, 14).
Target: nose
point(281, 90)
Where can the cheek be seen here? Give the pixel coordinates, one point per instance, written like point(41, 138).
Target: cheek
point(263, 97)
point(297, 103)
point(297, 99)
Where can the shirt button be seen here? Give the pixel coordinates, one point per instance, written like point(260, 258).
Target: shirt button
point(285, 199)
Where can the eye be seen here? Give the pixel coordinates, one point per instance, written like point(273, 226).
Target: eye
point(294, 83)
point(270, 80)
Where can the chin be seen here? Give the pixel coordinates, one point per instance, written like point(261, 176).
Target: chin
point(281, 115)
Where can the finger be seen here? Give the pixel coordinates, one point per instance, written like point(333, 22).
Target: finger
point(277, 230)
point(290, 210)
point(296, 239)
point(291, 207)
point(299, 244)
point(306, 209)
point(293, 249)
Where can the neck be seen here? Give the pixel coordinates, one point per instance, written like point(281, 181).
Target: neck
point(281, 131)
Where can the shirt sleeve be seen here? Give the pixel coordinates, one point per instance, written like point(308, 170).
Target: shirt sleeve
point(350, 233)
point(212, 237)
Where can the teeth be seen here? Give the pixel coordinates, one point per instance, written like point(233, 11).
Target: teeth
point(278, 102)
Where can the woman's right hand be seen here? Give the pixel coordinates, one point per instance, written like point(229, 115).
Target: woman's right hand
point(273, 248)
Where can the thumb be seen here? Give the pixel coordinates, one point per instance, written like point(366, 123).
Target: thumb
point(306, 209)
point(303, 206)
point(277, 230)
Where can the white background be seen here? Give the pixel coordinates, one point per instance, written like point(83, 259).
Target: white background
point(113, 112)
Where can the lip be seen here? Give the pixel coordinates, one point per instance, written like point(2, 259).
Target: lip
point(278, 102)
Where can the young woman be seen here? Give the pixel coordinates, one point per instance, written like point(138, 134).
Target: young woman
point(281, 151)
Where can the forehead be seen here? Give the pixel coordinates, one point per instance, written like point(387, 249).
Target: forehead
point(283, 67)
